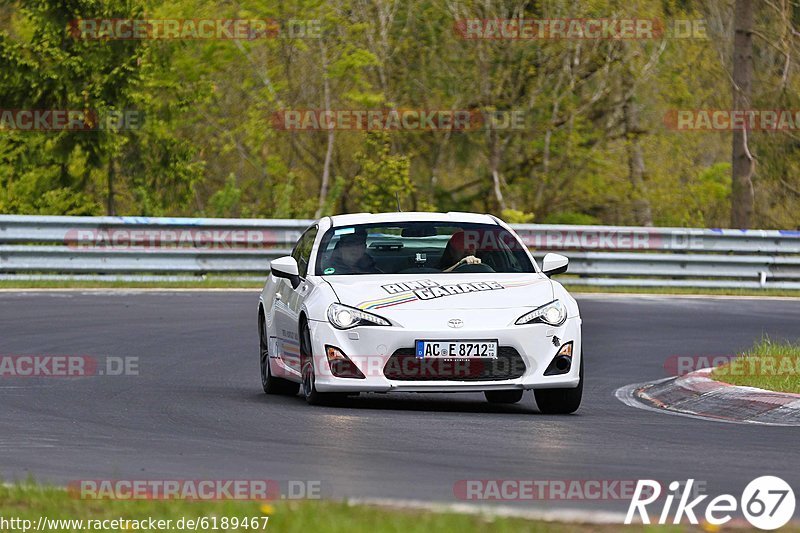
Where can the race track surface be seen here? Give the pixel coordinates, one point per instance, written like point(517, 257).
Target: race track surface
point(196, 410)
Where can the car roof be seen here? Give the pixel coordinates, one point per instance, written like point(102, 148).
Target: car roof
point(410, 216)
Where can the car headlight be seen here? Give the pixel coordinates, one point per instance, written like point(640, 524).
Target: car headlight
point(345, 317)
point(553, 313)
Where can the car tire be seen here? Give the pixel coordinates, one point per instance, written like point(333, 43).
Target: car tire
point(560, 401)
point(309, 387)
point(503, 396)
point(270, 383)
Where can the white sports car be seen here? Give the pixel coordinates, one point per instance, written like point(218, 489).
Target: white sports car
point(419, 302)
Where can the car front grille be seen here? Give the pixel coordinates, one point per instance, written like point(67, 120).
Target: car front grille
point(404, 365)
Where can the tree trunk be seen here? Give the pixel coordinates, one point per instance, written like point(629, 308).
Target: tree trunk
point(112, 174)
point(642, 213)
point(742, 164)
point(326, 166)
point(494, 163)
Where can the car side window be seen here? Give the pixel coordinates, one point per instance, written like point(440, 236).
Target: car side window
point(302, 251)
point(296, 249)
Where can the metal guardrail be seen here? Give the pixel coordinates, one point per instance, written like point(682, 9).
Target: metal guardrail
point(48, 247)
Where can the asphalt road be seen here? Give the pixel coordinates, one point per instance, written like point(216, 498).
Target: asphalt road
point(196, 410)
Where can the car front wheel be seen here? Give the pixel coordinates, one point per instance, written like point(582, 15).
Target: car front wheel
point(310, 392)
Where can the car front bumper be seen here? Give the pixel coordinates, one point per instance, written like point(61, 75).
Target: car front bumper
point(371, 347)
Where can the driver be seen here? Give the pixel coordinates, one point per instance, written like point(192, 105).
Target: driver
point(458, 252)
point(350, 256)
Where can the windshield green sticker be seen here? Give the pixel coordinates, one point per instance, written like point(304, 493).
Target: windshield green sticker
point(329, 270)
point(344, 231)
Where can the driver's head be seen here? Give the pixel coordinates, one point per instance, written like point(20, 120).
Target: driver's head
point(352, 247)
point(462, 244)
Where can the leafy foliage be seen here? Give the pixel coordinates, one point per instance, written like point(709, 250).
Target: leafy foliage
point(594, 146)
point(383, 177)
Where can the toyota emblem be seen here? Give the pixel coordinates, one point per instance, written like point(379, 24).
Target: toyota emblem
point(455, 323)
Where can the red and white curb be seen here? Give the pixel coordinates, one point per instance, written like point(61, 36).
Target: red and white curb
point(696, 395)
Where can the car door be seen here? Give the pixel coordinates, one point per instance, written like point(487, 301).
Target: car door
point(290, 302)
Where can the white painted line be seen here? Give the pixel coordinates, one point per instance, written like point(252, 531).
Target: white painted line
point(574, 516)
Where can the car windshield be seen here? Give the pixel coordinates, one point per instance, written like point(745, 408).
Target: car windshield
point(420, 248)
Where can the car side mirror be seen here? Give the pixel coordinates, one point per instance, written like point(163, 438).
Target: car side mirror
point(554, 264)
point(286, 267)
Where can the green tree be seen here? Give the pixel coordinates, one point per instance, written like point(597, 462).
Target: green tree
point(383, 177)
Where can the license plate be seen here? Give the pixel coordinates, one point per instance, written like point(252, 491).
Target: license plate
point(457, 349)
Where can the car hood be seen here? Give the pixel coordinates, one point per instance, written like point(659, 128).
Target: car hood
point(386, 293)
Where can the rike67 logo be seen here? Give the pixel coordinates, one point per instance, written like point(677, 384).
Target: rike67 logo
point(767, 502)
